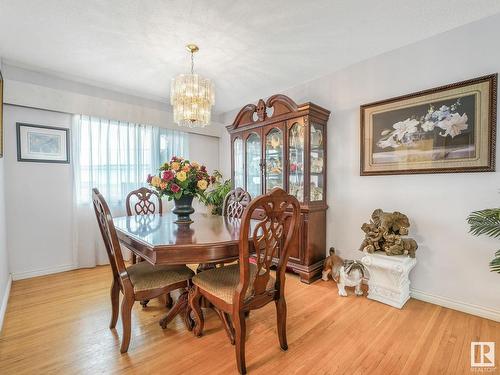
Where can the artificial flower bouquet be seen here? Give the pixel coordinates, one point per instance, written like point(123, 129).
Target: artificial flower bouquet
point(179, 178)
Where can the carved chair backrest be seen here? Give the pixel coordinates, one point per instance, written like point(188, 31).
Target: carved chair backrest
point(235, 203)
point(140, 202)
point(272, 236)
point(109, 236)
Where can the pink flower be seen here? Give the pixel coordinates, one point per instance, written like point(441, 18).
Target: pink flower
point(168, 175)
point(175, 188)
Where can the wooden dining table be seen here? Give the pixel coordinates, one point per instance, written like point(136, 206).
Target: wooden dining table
point(207, 241)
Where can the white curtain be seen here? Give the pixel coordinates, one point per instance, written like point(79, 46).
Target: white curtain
point(115, 157)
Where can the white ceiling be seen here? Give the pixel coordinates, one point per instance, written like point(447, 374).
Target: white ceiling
point(250, 48)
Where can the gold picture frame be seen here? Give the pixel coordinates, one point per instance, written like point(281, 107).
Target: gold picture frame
point(446, 129)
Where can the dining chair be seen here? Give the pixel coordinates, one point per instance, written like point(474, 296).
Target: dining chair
point(139, 281)
point(235, 202)
point(239, 288)
point(233, 206)
point(139, 202)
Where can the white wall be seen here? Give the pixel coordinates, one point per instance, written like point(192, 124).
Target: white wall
point(452, 265)
point(39, 207)
point(205, 150)
point(4, 258)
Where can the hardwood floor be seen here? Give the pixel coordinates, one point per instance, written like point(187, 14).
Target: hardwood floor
point(58, 324)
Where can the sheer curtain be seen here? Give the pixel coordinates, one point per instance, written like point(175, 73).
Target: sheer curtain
point(115, 157)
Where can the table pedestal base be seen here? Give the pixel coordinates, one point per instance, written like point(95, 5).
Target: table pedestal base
point(181, 307)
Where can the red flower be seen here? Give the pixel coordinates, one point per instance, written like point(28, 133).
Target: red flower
point(203, 168)
point(212, 179)
point(168, 175)
point(148, 180)
point(175, 188)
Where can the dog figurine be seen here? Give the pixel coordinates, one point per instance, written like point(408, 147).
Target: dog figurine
point(344, 272)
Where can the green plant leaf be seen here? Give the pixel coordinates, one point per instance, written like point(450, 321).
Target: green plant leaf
point(485, 222)
point(495, 263)
point(214, 198)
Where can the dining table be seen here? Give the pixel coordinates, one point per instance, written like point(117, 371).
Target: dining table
point(207, 241)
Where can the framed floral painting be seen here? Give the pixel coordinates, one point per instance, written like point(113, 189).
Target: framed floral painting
point(445, 129)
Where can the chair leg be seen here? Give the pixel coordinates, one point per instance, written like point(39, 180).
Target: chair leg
point(127, 304)
point(240, 329)
point(226, 323)
point(168, 301)
point(115, 303)
point(194, 305)
point(281, 318)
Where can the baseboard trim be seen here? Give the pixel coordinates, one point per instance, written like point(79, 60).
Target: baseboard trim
point(5, 300)
point(42, 272)
point(483, 312)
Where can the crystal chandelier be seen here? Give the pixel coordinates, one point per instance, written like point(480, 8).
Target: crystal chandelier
point(192, 96)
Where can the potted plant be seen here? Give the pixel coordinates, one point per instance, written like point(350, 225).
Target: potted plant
point(214, 198)
point(487, 222)
point(181, 180)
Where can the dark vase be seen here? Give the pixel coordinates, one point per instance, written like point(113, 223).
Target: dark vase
point(183, 208)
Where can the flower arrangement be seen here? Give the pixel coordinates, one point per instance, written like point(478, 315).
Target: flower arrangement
point(445, 121)
point(179, 178)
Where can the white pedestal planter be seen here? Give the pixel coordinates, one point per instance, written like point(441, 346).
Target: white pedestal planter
point(389, 282)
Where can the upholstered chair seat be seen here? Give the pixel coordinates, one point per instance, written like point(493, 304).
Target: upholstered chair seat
point(222, 282)
point(145, 276)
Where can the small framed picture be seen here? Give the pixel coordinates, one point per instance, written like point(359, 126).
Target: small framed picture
point(446, 129)
point(42, 144)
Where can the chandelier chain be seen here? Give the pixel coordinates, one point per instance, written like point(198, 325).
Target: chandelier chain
point(192, 62)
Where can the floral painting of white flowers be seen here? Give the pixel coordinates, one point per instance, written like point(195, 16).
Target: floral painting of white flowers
point(434, 131)
point(446, 129)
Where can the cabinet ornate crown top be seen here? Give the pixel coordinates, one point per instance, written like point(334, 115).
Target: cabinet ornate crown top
point(282, 107)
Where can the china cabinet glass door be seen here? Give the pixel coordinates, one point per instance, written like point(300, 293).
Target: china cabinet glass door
point(274, 159)
point(238, 168)
point(253, 153)
point(317, 163)
point(296, 161)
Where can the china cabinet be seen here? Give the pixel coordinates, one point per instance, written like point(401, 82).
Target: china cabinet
point(278, 143)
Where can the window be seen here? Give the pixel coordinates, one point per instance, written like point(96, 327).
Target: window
point(117, 156)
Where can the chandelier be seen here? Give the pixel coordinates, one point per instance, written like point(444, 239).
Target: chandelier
point(192, 96)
